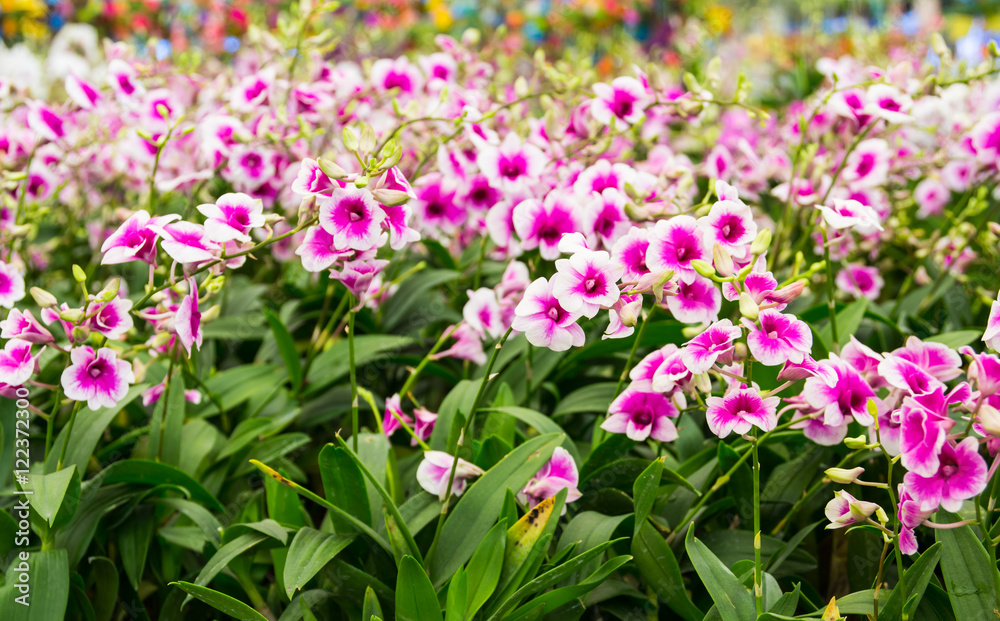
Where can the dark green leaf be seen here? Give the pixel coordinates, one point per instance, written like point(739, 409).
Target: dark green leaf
point(309, 552)
point(286, 347)
point(966, 567)
point(733, 601)
point(221, 602)
point(415, 596)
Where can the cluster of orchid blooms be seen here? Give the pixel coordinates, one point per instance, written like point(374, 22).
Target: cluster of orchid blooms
point(566, 195)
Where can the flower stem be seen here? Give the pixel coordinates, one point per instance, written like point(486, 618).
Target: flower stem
point(69, 433)
point(465, 430)
point(631, 355)
point(758, 582)
point(830, 303)
point(354, 377)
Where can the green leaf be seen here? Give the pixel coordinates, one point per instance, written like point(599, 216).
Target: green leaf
point(915, 581)
point(371, 607)
point(540, 422)
point(87, 431)
point(458, 593)
point(552, 600)
point(134, 537)
point(390, 506)
point(790, 546)
point(658, 566)
point(848, 322)
point(173, 421)
point(343, 484)
point(966, 567)
point(225, 555)
point(333, 364)
point(198, 514)
point(237, 385)
point(644, 492)
point(310, 551)
point(152, 473)
point(956, 339)
point(478, 508)
point(405, 304)
point(286, 347)
point(732, 600)
point(221, 602)
point(48, 588)
point(552, 577)
point(52, 491)
point(483, 573)
point(415, 596)
point(591, 398)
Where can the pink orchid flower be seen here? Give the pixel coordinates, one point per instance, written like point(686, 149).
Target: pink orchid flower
point(544, 321)
point(714, 345)
point(777, 338)
point(353, 218)
point(739, 410)
point(640, 415)
point(135, 239)
point(16, 362)
point(542, 224)
point(435, 469)
point(187, 320)
point(839, 391)
point(232, 217)
point(961, 475)
point(99, 378)
point(846, 510)
point(586, 282)
point(112, 319)
point(673, 244)
point(482, 313)
point(559, 473)
point(23, 326)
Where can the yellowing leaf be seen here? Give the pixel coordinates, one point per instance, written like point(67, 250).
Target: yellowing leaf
point(521, 537)
point(832, 613)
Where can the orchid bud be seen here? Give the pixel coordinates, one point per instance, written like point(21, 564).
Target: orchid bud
point(396, 156)
point(844, 476)
point(139, 371)
point(703, 382)
point(520, 86)
point(211, 314)
point(72, 315)
point(390, 198)
point(43, 298)
point(723, 261)
point(78, 274)
point(330, 169)
point(748, 307)
point(857, 443)
point(939, 45)
point(703, 267)
point(80, 334)
point(361, 182)
point(845, 510)
point(162, 111)
point(628, 314)
point(689, 332)
point(160, 339)
point(989, 419)
point(110, 291)
point(367, 143)
point(761, 243)
point(688, 107)
point(788, 293)
point(350, 140)
point(273, 218)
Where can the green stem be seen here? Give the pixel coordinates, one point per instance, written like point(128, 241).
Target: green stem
point(354, 377)
point(465, 431)
point(631, 354)
point(267, 242)
point(405, 390)
point(69, 433)
point(830, 303)
point(758, 582)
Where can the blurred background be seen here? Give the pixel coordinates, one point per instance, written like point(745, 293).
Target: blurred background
point(779, 39)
